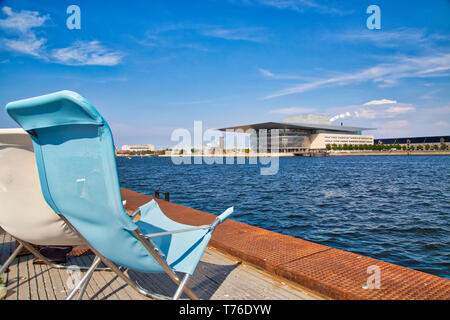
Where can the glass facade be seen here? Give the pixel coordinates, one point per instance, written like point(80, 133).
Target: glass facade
point(289, 140)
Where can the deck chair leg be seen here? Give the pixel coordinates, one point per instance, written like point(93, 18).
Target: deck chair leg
point(84, 281)
point(181, 287)
point(83, 289)
point(153, 250)
point(11, 258)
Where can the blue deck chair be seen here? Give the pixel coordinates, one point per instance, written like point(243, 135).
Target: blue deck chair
point(74, 152)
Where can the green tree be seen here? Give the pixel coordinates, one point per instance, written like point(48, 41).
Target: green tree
point(427, 147)
point(328, 146)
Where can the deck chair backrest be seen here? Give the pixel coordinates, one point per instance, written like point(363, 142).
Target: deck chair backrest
point(23, 211)
point(77, 168)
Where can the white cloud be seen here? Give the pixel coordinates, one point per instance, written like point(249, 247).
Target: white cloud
point(86, 53)
point(400, 109)
point(375, 109)
point(399, 37)
point(186, 35)
point(407, 121)
point(268, 74)
point(293, 110)
point(23, 24)
point(384, 74)
point(296, 5)
point(441, 123)
point(382, 101)
point(26, 45)
point(22, 21)
point(253, 34)
point(393, 128)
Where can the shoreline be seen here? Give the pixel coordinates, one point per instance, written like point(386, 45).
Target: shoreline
point(331, 154)
point(391, 153)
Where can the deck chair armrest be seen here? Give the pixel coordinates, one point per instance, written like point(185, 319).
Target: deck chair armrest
point(222, 217)
point(135, 212)
point(159, 234)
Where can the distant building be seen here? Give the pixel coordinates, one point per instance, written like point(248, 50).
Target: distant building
point(122, 152)
point(415, 140)
point(307, 132)
point(138, 147)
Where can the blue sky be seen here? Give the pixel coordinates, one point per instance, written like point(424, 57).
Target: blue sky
point(150, 67)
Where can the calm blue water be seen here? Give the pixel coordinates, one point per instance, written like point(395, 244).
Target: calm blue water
point(392, 208)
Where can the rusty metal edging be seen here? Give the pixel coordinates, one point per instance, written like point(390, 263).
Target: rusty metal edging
point(327, 271)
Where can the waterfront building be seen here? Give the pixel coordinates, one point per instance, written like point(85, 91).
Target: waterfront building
point(139, 147)
point(122, 152)
point(416, 141)
point(305, 132)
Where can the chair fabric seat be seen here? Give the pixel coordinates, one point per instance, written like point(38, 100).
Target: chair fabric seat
point(182, 250)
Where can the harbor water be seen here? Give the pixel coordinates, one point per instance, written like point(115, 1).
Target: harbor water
point(392, 208)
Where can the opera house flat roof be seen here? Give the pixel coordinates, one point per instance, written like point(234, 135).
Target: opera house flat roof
point(306, 126)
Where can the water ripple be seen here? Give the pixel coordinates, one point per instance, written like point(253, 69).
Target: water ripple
point(395, 209)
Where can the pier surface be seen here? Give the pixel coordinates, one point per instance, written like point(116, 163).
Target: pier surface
point(218, 276)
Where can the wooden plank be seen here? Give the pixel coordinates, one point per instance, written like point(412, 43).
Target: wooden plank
point(67, 280)
point(23, 283)
point(118, 286)
point(56, 283)
point(40, 285)
point(50, 289)
point(32, 282)
point(104, 280)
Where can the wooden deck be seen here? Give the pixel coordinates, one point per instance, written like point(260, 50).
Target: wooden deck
point(217, 277)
